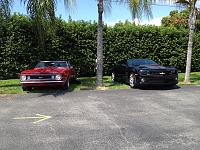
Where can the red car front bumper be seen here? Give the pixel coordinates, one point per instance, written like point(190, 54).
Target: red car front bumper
point(42, 83)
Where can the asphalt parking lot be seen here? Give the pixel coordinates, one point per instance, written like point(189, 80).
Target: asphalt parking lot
point(130, 119)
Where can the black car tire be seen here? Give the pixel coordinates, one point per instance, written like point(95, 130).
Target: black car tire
point(113, 77)
point(172, 86)
point(132, 80)
point(26, 88)
point(67, 84)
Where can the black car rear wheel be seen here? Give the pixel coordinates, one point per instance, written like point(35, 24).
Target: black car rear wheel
point(132, 81)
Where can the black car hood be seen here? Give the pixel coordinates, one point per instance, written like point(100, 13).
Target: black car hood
point(155, 67)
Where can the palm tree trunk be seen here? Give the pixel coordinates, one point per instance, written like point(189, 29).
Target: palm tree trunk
point(192, 21)
point(99, 74)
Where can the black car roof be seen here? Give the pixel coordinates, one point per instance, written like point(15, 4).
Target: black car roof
point(53, 61)
point(139, 59)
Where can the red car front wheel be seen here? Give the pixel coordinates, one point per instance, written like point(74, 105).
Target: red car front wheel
point(67, 84)
point(26, 88)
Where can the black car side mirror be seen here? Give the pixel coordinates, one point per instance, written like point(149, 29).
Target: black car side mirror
point(124, 65)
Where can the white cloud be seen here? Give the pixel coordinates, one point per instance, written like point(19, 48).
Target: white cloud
point(137, 21)
point(111, 23)
point(155, 21)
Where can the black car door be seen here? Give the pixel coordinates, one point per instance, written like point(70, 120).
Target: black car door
point(116, 70)
point(123, 70)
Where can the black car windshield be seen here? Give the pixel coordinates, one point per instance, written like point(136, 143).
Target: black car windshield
point(138, 62)
point(51, 64)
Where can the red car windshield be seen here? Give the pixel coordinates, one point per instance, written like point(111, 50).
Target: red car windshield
point(51, 64)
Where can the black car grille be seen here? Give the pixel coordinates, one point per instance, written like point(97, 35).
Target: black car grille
point(161, 73)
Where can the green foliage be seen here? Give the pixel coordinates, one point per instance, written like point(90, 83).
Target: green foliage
point(176, 19)
point(179, 20)
point(167, 46)
point(16, 46)
point(77, 41)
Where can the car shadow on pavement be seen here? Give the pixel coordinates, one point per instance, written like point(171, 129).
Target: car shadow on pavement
point(158, 87)
point(55, 91)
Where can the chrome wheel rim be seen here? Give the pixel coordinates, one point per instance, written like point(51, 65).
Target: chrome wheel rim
point(132, 80)
point(113, 76)
point(68, 83)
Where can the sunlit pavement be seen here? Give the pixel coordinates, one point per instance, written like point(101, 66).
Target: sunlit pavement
point(114, 119)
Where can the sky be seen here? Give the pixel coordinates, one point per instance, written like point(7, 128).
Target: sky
point(87, 10)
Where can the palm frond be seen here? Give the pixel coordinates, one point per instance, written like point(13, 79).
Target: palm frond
point(183, 2)
point(42, 13)
point(5, 6)
point(107, 5)
point(70, 4)
point(43, 9)
point(139, 8)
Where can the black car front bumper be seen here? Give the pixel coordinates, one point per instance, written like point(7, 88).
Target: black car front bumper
point(157, 80)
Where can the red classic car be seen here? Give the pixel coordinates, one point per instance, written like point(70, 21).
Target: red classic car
point(48, 73)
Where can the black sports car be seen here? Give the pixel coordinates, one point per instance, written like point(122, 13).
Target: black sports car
point(138, 72)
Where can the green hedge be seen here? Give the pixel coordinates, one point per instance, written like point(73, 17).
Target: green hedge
point(164, 45)
point(76, 42)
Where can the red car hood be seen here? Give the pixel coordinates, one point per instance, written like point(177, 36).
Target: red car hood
point(47, 70)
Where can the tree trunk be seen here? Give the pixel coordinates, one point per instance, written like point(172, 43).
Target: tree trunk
point(99, 73)
point(192, 21)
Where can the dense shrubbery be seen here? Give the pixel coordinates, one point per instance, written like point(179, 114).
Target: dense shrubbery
point(76, 42)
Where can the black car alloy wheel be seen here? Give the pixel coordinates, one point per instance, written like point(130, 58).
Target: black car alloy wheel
point(132, 80)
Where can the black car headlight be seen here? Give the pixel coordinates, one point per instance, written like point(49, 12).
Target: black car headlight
point(144, 72)
point(173, 71)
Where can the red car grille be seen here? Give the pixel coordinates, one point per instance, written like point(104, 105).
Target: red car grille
point(40, 77)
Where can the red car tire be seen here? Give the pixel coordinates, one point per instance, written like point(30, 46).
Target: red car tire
point(67, 84)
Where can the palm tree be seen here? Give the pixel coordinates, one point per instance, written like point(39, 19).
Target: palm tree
point(193, 12)
point(191, 4)
point(99, 73)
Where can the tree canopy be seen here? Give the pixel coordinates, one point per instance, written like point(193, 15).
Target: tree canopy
point(179, 20)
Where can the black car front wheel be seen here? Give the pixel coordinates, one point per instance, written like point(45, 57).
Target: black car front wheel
point(132, 81)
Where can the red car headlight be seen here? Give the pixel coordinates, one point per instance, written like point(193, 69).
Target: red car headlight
point(22, 77)
point(58, 77)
